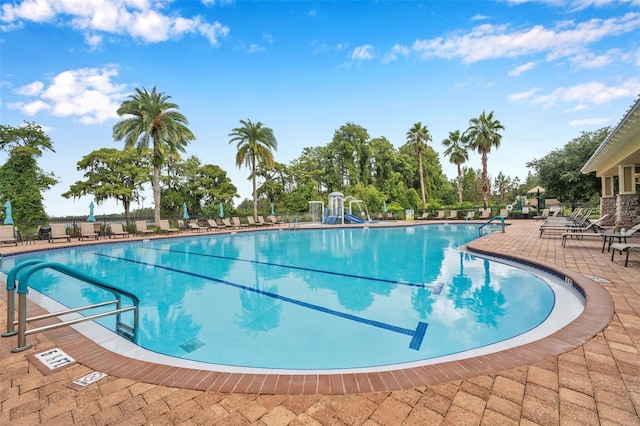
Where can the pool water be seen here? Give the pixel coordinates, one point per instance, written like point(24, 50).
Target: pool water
point(320, 299)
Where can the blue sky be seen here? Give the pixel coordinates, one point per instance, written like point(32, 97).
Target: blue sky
point(549, 69)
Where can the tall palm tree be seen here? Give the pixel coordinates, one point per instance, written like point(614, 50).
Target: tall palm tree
point(418, 136)
point(254, 143)
point(483, 134)
point(151, 119)
point(457, 152)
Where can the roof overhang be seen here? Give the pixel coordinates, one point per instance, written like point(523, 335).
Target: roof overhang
point(621, 147)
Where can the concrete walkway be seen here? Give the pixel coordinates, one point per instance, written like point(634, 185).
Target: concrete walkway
point(597, 383)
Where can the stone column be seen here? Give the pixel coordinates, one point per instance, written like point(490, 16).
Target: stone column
point(628, 210)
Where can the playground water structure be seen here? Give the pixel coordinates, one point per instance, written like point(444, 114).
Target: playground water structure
point(336, 213)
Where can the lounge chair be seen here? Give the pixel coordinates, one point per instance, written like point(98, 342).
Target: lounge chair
point(273, 220)
point(87, 230)
point(164, 226)
point(453, 214)
point(237, 224)
point(8, 235)
point(470, 215)
point(544, 215)
point(252, 222)
point(193, 226)
point(626, 247)
point(485, 213)
point(213, 224)
point(611, 237)
point(580, 224)
point(425, 216)
point(141, 228)
point(59, 232)
point(525, 212)
point(181, 226)
point(440, 215)
point(504, 213)
point(261, 221)
point(227, 223)
point(117, 230)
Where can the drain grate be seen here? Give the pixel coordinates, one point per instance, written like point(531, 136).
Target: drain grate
point(598, 279)
point(191, 345)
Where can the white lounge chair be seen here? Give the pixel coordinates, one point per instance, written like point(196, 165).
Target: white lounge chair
point(164, 226)
point(87, 230)
point(141, 228)
point(59, 232)
point(8, 235)
point(117, 230)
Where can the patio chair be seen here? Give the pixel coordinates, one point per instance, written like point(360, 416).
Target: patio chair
point(610, 237)
point(578, 224)
point(213, 224)
point(261, 221)
point(525, 212)
point(141, 228)
point(181, 225)
point(453, 214)
point(8, 235)
point(504, 213)
point(235, 220)
point(273, 220)
point(425, 216)
point(164, 226)
point(623, 247)
point(470, 215)
point(87, 231)
point(440, 215)
point(59, 232)
point(543, 215)
point(485, 213)
point(193, 226)
point(117, 230)
point(252, 222)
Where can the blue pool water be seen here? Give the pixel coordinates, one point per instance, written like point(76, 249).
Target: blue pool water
point(308, 299)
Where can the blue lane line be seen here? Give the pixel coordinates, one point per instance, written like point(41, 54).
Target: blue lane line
point(417, 334)
point(438, 286)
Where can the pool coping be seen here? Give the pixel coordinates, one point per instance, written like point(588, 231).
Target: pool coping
point(595, 317)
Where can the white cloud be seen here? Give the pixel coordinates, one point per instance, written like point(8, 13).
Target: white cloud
point(499, 41)
point(253, 48)
point(268, 38)
point(479, 17)
point(520, 69)
point(589, 122)
point(32, 89)
point(89, 94)
point(586, 95)
point(363, 52)
point(516, 97)
point(396, 50)
point(141, 19)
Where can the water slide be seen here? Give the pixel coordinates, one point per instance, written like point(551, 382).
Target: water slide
point(351, 218)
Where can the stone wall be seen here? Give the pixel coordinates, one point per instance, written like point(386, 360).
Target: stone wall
point(608, 206)
point(627, 210)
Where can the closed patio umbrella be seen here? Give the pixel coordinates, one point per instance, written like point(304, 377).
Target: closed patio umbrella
point(273, 210)
point(185, 215)
point(384, 206)
point(8, 220)
point(91, 218)
point(221, 210)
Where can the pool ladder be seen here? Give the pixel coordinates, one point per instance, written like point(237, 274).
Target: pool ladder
point(501, 218)
point(23, 271)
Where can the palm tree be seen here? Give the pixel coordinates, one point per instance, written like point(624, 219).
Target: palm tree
point(457, 152)
point(483, 134)
point(418, 136)
point(151, 119)
point(254, 144)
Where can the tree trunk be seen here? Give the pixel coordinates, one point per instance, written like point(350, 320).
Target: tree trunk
point(424, 199)
point(485, 181)
point(156, 194)
point(255, 190)
point(459, 184)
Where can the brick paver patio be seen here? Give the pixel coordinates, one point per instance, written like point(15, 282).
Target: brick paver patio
point(597, 383)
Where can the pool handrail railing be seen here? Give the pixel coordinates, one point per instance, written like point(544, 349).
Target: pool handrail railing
point(501, 218)
point(23, 271)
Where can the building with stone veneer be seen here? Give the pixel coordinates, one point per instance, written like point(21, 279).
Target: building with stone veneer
point(617, 163)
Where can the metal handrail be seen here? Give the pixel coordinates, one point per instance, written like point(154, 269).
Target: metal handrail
point(23, 271)
point(501, 218)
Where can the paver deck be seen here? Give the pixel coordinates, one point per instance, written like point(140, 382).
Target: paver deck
point(592, 382)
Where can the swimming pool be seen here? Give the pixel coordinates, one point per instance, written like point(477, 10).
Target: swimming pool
point(321, 299)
